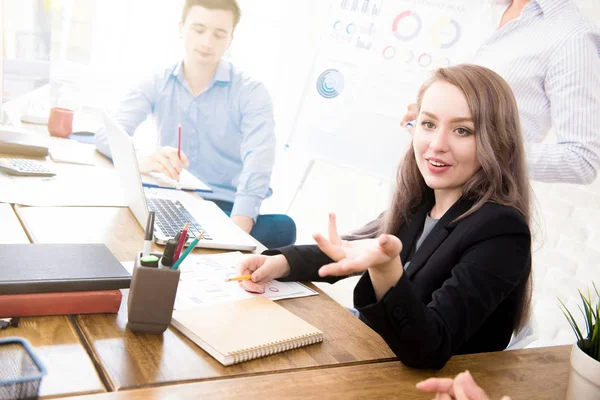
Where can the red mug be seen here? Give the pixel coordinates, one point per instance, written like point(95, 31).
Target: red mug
point(60, 122)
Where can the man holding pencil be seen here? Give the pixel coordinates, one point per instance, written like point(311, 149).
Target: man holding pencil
point(227, 136)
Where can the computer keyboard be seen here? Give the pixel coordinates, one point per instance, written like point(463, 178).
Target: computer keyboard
point(24, 167)
point(171, 216)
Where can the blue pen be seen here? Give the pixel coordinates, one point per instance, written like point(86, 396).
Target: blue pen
point(187, 251)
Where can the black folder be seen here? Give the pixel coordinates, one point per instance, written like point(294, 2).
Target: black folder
point(48, 268)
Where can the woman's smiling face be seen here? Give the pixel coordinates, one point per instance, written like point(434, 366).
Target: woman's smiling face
point(444, 138)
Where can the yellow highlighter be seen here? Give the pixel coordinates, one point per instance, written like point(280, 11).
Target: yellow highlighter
point(239, 278)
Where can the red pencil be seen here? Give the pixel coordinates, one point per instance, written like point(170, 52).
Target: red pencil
point(182, 240)
point(179, 141)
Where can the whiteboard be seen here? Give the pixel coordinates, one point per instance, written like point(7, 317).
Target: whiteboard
point(372, 58)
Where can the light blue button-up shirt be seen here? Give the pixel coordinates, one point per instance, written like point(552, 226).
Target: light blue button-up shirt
point(227, 130)
point(550, 56)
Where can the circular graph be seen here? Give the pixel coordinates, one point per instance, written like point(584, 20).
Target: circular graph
point(338, 25)
point(443, 62)
point(389, 52)
point(406, 25)
point(350, 29)
point(407, 56)
point(425, 60)
point(330, 83)
point(445, 33)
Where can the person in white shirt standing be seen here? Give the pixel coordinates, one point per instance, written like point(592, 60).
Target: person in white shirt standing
point(550, 56)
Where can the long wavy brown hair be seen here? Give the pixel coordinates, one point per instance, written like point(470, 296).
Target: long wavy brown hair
point(502, 178)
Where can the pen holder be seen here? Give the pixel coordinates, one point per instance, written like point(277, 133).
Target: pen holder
point(151, 298)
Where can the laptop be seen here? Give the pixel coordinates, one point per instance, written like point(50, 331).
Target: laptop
point(173, 208)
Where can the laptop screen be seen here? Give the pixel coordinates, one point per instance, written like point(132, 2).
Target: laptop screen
point(125, 160)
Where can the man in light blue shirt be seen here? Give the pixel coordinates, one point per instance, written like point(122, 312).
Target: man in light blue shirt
point(228, 138)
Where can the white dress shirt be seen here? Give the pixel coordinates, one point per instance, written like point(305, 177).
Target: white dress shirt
point(550, 56)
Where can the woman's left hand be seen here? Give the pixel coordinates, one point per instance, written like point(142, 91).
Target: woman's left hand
point(357, 255)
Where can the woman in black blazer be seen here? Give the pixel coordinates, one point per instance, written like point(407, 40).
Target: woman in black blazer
point(446, 269)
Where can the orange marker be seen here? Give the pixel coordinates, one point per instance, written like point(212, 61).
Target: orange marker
point(239, 278)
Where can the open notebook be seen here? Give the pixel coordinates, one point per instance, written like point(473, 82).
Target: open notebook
point(187, 181)
point(244, 329)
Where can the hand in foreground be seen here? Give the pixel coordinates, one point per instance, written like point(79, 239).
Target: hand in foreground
point(410, 115)
point(263, 269)
point(165, 160)
point(357, 255)
point(463, 387)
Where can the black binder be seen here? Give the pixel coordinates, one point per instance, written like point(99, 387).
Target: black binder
point(48, 268)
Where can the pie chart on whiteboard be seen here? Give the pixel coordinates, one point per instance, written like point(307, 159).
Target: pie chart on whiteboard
point(330, 83)
point(445, 33)
point(406, 25)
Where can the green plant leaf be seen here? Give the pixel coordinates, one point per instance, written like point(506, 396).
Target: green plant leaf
point(587, 314)
point(595, 340)
point(588, 340)
point(571, 321)
point(597, 312)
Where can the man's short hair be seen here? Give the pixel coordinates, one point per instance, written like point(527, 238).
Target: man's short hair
point(228, 5)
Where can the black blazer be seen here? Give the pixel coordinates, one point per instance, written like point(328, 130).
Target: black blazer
point(460, 293)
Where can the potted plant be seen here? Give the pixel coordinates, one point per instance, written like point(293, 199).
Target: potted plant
point(584, 379)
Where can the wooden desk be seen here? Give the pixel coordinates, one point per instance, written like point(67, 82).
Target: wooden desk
point(116, 227)
point(133, 360)
point(12, 231)
point(533, 374)
point(54, 339)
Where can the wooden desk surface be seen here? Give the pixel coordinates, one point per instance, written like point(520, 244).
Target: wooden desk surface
point(12, 231)
point(54, 339)
point(132, 360)
point(533, 374)
point(116, 227)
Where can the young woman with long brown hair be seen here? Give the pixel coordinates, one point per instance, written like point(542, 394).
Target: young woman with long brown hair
point(446, 268)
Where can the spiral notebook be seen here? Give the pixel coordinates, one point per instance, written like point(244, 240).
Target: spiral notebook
point(242, 330)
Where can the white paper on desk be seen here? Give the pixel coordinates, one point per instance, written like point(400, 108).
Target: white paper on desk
point(73, 185)
point(202, 281)
point(187, 181)
point(72, 152)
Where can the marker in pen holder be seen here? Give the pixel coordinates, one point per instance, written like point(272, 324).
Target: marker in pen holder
point(151, 297)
